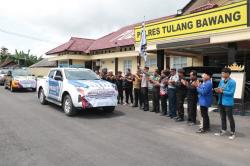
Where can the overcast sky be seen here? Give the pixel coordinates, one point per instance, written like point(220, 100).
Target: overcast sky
point(40, 25)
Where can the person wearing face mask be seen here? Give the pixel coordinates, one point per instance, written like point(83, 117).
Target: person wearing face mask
point(226, 91)
point(205, 91)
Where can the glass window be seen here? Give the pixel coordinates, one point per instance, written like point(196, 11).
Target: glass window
point(127, 65)
point(152, 62)
point(179, 62)
point(63, 63)
point(77, 74)
point(59, 73)
point(21, 72)
point(51, 74)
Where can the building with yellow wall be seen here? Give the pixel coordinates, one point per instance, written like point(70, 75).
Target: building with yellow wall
point(209, 45)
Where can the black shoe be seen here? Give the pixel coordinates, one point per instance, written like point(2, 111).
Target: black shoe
point(145, 109)
point(134, 105)
point(152, 111)
point(175, 118)
point(157, 112)
point(201, 131)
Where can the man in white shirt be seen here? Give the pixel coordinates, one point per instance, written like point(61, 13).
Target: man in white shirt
point(172, 93)
point(144, 88)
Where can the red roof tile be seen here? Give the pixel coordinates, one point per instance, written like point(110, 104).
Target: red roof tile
point(74, 44)
point(122, 37)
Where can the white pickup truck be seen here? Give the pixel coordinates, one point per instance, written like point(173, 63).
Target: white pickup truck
point(76, 89)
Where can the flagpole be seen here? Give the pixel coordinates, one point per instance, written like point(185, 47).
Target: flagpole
point(143, 43)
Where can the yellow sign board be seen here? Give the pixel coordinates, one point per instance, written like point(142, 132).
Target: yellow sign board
point(220, 19)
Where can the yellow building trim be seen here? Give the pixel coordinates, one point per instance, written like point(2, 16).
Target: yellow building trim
point(229, 17)
point(115, 55)
point(232, 36)
point(67, 57)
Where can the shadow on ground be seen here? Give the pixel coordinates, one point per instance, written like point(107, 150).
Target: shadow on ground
point(91, 113)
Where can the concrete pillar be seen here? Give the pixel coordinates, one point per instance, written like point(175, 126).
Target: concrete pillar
point(160, 59)
point(70, 62)
point(232, 51)
point(116, 66)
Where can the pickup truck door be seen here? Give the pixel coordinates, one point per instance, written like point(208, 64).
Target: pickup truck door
point(55, 82)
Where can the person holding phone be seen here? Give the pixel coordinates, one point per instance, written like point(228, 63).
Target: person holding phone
point(226, 91)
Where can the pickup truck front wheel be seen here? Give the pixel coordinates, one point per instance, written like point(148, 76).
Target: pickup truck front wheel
point(42, 97)
point(68, 106)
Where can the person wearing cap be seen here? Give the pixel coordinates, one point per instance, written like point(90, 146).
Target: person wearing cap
point(172, 93)
point(129, 87)
point(144, 88)
point(226, 91)
point(181, 91)
point(205, 91)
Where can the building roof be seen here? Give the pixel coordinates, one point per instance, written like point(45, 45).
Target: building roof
point(121, 37)
point(74, 44)
point(8, 63)
point(44, 63)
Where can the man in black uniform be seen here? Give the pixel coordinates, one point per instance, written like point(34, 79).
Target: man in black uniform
point(181, 91)
point(129, 87)
point(192, 98)
point(119, 84)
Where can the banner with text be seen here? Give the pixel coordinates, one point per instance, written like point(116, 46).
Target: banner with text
point(220, 19)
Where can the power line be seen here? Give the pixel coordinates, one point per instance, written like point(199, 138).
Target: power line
point(26, 36)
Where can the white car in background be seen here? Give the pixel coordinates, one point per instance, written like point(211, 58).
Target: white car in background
point(3, 73)
point(77, 89)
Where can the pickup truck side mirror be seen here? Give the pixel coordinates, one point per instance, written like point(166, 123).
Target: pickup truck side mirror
point(58, 78)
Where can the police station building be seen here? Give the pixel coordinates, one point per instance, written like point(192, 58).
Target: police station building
point(203, 33)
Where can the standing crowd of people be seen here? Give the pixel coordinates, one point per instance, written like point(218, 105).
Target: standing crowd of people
point(170, 88)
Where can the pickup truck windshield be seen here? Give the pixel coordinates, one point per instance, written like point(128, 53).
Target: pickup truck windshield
point(21, 72)
point(81, 75)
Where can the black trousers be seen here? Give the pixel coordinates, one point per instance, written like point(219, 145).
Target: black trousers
point(164, 105)
point(129, 94)
point(120, 95)
point(156, 99)
point(205, 117)
point(227, 111)
point(180, 97)
point(192, 109)
point(172, 102)
point(137, 95)
point(144, 97)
